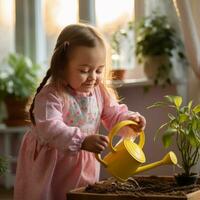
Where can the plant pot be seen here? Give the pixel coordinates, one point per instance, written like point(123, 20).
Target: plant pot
point(118, 74)
point(16, 111)
point(152, 64)
point(183, 179)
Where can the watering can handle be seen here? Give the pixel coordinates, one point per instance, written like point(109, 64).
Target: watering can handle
point(114, 131)
point(120, 125)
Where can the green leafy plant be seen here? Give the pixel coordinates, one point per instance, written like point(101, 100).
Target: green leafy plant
point(183, 124)
point(3, 165)
point(156, 37)
point(116, 42)
point(18, 76)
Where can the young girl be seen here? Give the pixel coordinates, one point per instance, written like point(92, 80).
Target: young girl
point(57, 153)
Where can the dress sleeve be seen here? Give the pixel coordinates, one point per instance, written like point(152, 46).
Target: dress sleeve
point(50, 127)
point(113, 112)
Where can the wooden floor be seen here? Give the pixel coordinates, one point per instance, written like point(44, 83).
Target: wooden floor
point(6, 194)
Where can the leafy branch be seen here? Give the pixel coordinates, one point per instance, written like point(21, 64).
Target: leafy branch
point(184, 123)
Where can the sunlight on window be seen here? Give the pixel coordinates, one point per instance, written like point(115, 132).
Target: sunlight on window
point(112, 11)
point(113, 19)
point(59, 13)
point(6, 13)
point(7, 26)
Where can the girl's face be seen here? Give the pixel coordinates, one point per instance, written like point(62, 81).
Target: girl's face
point(85, 68)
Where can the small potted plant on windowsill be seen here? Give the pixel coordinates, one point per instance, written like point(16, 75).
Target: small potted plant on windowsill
point(183, 124)
point(18, 81)
point(156, 44)
point(117, 39)
point(117, 72)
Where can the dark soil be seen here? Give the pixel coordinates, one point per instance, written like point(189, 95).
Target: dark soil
point(140, 186)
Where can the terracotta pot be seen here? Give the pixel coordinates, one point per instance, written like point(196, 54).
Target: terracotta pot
point(16, 111)
point(118, 74)
point(152, 63)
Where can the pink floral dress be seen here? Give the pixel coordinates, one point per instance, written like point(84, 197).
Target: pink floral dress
point(50, 161)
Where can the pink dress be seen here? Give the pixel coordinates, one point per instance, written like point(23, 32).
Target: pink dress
point(50, 161)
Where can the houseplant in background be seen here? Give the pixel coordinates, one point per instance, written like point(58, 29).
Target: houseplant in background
point(156, 44)
point(120, 38)
point(3, 165)
point(183, 124)
point(18, 81)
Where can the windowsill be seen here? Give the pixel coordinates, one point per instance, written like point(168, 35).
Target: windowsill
point(133, 78)
point(138, 82)
point(137, 78)
point(131, 82)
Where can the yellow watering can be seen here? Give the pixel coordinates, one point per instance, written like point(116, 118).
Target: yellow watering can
point(127, 156)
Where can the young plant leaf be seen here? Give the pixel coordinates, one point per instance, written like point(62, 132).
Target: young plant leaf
point(194, 141)
point(159, 129)
point(190, 105)
point(172, 117)
point(183, 118)
point(178, 101)
point(169, 98)
point(167, 137)
point(196, 109)
point(157, 104)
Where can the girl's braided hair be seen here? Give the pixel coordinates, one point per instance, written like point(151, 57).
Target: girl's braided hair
point(71, 37)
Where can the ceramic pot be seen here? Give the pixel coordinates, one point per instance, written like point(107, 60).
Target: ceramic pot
point(16, 111)
point(152, 64)
point(118, 74)
point(183, 179)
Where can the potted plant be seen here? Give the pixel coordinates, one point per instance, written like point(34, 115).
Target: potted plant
point(156, 44)
point(117, 40)
point(18, 81)
point(3, 165)
point(183, 124)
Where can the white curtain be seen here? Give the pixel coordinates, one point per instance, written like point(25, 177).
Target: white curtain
point(188, 13)
point(191, 38)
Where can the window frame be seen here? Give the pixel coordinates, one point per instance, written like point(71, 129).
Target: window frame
point(29, 30)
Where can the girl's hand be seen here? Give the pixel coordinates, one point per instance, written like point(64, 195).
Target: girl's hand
point(140, 120)
point(95, 143)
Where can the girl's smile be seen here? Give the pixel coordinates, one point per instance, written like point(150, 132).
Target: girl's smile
point(85, 68)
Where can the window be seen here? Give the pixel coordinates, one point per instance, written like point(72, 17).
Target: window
point(38, 24)
point(59, 13)
point(56, 15)
point(121, 13)
point(114, 18)
point(7, 25)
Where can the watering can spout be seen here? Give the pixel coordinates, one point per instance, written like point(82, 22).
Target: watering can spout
point(169, 158)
